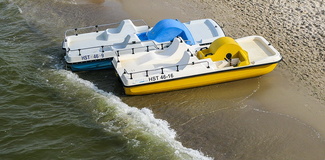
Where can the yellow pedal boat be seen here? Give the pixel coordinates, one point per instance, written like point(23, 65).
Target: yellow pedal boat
point(182, 66)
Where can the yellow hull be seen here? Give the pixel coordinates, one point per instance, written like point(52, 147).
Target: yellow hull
point(200, 80)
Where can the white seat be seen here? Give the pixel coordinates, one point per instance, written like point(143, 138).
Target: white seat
point(172, 54)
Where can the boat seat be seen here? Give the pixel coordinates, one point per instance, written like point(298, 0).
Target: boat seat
point(119, 34)
point(126, 26)
point(243, 58)
point(129, 39)
point(203, 31)
point(173, 54)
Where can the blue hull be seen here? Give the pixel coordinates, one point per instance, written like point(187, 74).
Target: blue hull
point(93, 65)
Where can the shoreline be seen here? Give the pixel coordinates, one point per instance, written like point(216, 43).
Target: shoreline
point(291, 96)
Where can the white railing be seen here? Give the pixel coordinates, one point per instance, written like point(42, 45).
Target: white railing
point(98, 28)
point(162, 68)
point(154, 44)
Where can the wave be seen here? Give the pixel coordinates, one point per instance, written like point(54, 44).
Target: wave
point(146, 135)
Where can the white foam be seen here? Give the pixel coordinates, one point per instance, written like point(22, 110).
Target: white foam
point(13, 3)
point(67, 1)
point(133, 120)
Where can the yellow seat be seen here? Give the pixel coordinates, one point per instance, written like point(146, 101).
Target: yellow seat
point(221, 47)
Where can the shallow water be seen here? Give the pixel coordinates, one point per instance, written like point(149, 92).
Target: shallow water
point(47, 112)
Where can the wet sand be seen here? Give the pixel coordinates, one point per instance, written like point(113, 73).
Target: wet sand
point(276, 116)
point(283, 108)
point(257, 118)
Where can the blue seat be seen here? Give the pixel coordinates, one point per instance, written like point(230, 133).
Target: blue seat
point(166, 30)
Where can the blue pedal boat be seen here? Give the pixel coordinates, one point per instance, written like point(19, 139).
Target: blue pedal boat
point(94, 47)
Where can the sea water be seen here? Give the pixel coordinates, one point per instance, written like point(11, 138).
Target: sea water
point(47, 112)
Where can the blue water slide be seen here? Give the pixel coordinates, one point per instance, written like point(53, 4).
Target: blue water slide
point(166, 30)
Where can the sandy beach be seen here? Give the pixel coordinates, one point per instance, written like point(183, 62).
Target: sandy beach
point(296, 28)
point(293, 94)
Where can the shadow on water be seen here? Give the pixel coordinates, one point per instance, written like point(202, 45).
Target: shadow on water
point(104, 79)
